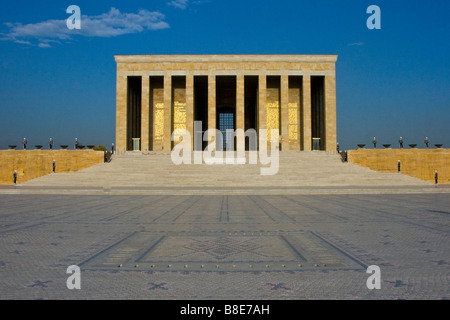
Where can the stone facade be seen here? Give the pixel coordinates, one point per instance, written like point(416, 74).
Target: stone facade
point(295, 94)
point(418, 163)
point(31, 164)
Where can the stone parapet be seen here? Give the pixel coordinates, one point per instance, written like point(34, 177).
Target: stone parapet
point(418, 163)
point(31, 164)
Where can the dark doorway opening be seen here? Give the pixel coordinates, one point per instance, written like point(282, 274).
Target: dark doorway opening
point(226, 122)
point(251, 104)
point(226, 106)
point(318, 110)
point(133, 110)
point(201, 109)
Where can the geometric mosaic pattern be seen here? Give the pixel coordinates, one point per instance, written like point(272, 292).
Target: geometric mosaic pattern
point(232, 253)
point(222, 248)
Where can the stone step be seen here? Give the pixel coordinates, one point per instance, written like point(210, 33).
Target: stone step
point(152, 169)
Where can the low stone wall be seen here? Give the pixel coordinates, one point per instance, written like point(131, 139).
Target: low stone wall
point(418, 163)
point(31, 164)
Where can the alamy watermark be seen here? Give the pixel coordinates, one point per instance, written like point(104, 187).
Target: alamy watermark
point(74, 21)
point(374, 281)
point(73, 281)
point(374, 21)
point(214, 153)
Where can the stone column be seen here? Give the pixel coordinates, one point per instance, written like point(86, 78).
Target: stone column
point(330, 113)
point(240, 110)
point(211, 102)
point(262, 106)
point(190, 107)
point(306, 107)
point(284, 93)
point(145, 116)
point(121, 112)
point(167, 142)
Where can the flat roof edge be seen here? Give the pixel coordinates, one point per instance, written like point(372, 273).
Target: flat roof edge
point(225, 58)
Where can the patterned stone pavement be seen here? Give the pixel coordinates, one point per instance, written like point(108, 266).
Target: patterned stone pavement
point(225, 247)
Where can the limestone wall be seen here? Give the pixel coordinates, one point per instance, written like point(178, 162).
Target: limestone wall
point(32, 164)
point(418, 163)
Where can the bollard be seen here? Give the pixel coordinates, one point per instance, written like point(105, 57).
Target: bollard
point(435, 177)
point(54, 166)
point(15, 176)
point(398, 166)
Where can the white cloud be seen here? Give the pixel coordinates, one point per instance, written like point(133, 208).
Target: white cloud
point(110, 24)
point(182, 4)
point(43, 45)
point(115, 23)
point(23, 42)
point(355, 44)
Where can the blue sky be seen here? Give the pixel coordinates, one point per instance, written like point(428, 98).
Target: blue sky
point(61, 84)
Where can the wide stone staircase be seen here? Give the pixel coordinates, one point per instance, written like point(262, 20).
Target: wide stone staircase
point(299, 172)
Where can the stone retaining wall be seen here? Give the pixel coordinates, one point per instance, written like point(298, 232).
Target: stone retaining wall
point(32, 164)
point(418, 163)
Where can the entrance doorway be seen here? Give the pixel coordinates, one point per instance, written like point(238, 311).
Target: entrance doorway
point(226, 122)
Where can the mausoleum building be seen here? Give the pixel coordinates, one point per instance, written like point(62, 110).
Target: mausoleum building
point(294, 94)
